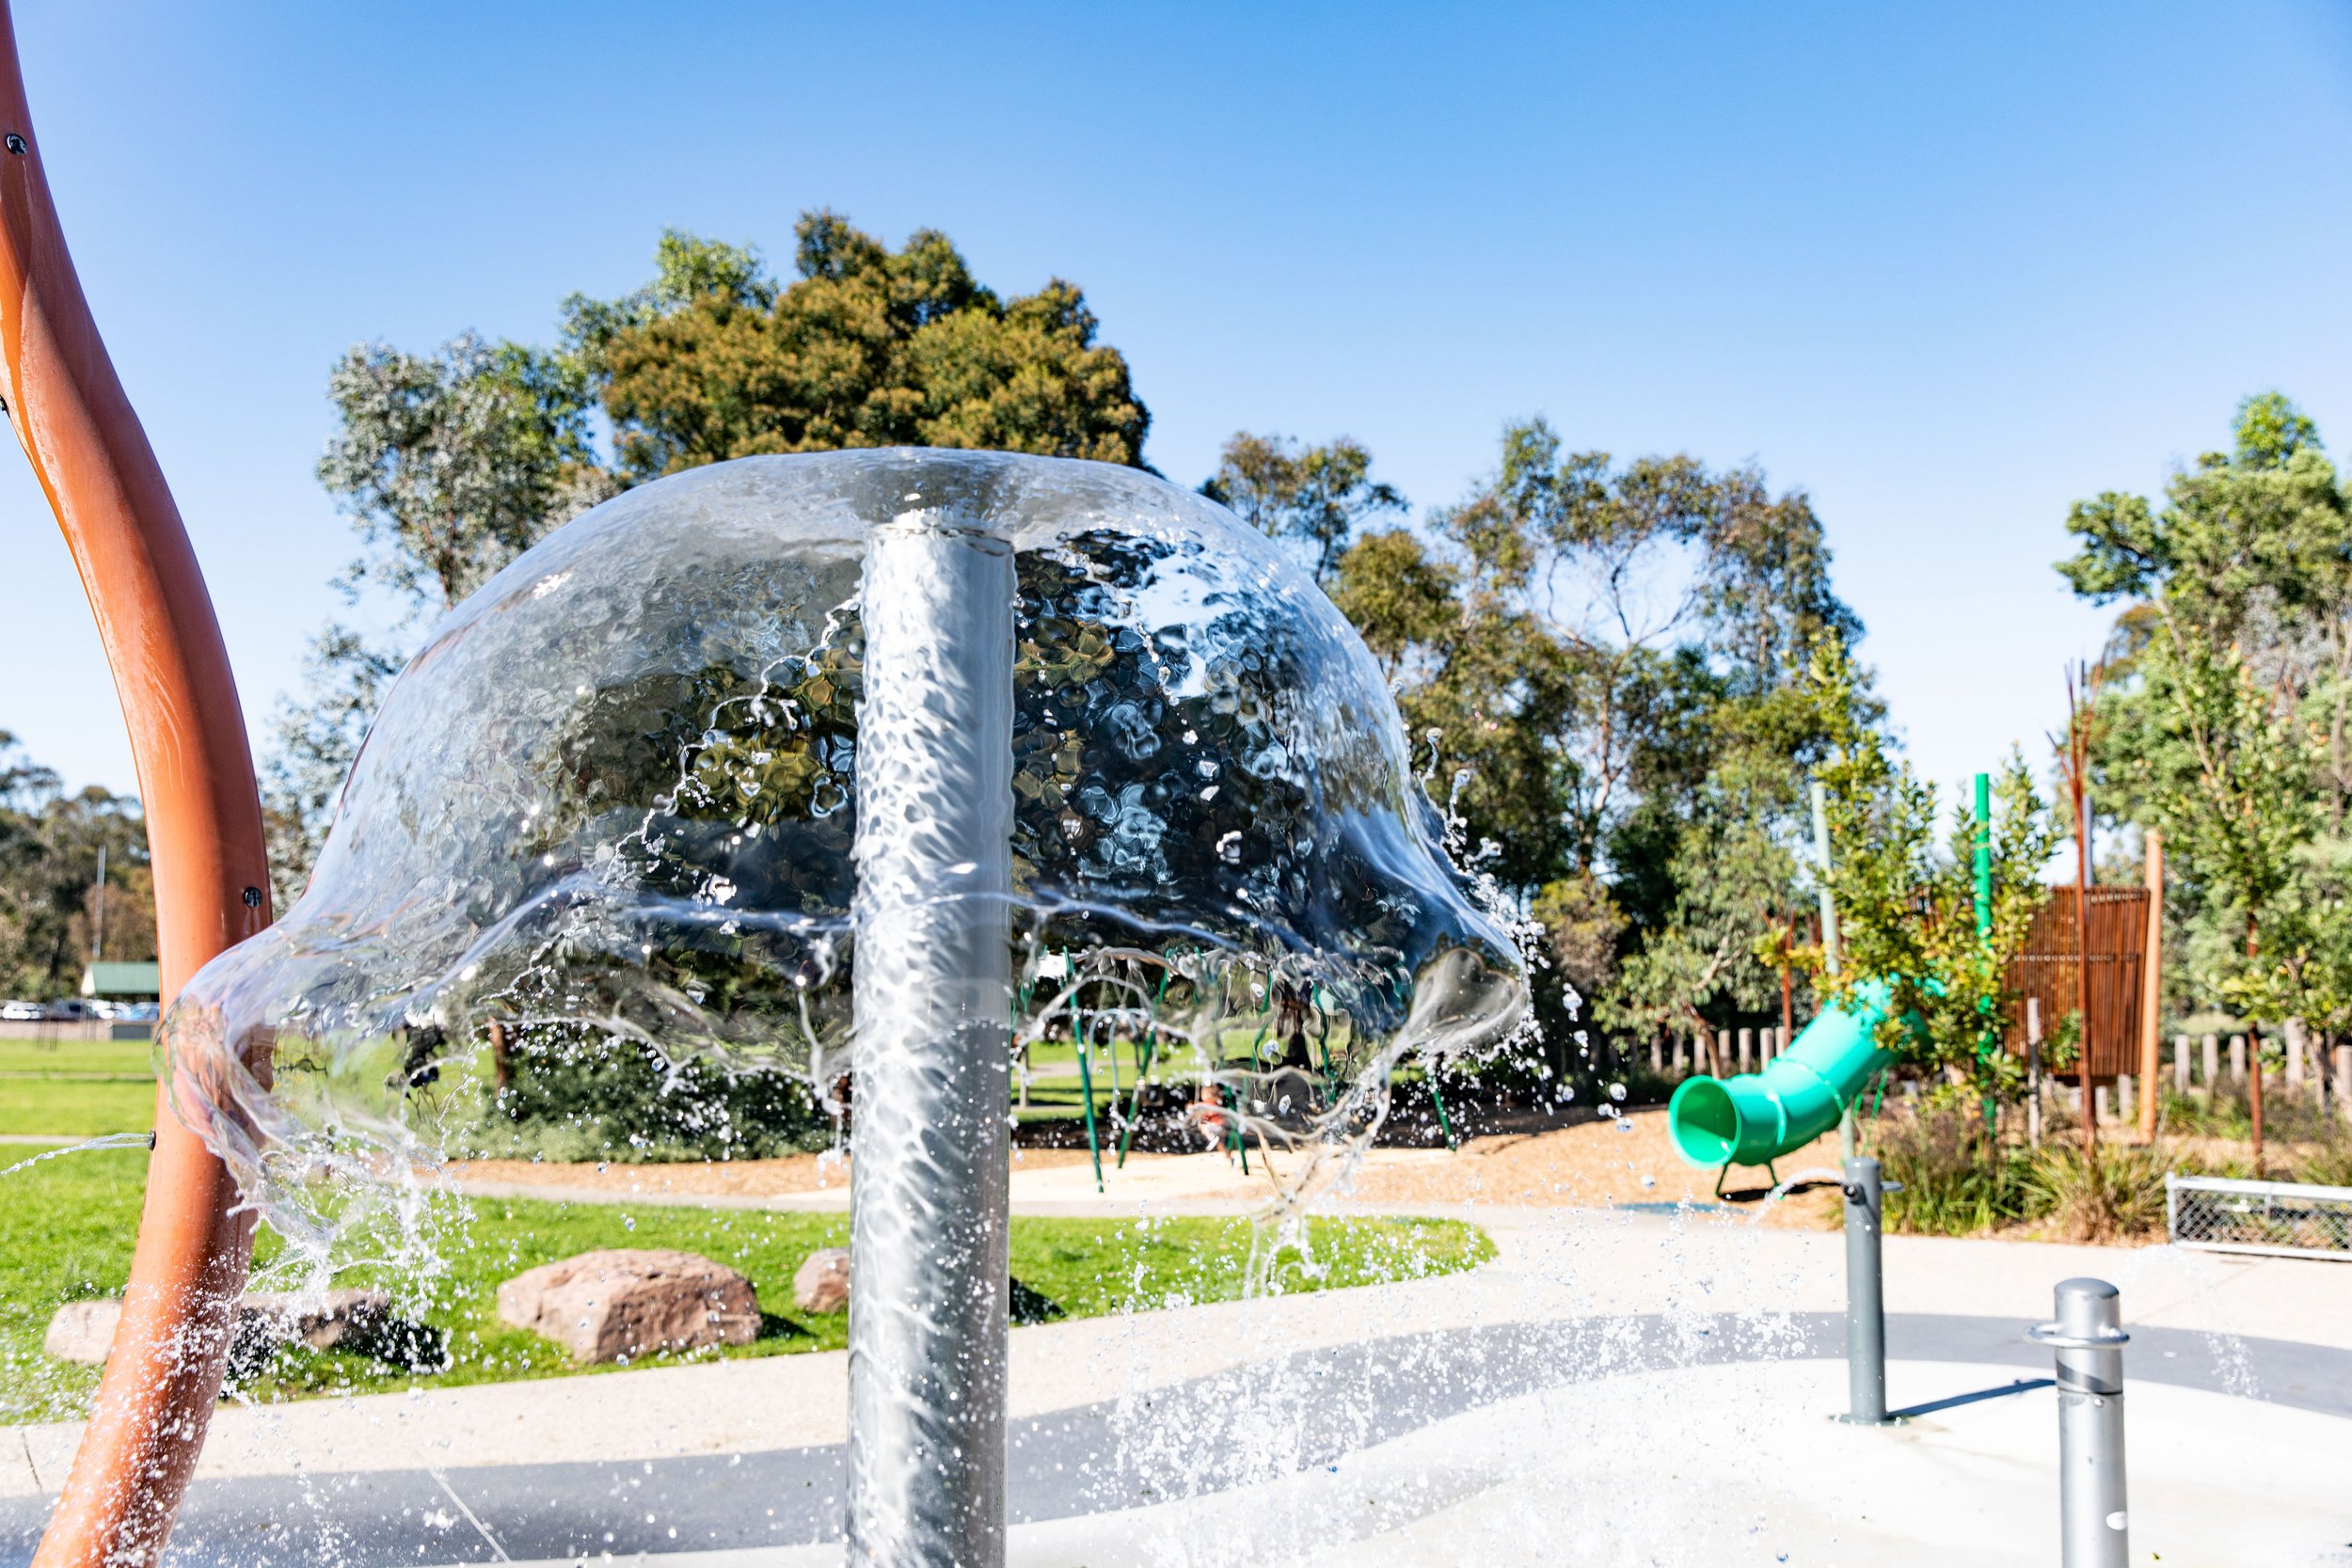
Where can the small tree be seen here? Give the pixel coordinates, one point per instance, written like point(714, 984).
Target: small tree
point(2229, 722)
point(1907, 906)
point(2230, 784)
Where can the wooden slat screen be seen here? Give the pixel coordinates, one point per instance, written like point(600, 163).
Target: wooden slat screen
point(2118, 951)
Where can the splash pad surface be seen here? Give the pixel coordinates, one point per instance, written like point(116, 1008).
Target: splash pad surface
point(1734, 1329)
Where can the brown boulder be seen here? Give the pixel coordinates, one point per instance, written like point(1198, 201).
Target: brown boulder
point(83, 1331)
point(822, 1284)
point(628, 1301)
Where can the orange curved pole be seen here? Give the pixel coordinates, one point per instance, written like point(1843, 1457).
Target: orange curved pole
point(204, 830)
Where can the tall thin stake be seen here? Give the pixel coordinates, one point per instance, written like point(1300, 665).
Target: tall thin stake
point(2079, 690)
point(2151, 991)
point(2254, 1064)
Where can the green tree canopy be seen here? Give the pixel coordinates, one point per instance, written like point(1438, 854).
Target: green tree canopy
point(1605, 657)
point(449, 464)
point(867, 347)
point(2224, 718)
point(1318, 496)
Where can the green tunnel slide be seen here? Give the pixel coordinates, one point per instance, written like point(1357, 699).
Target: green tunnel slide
point(1755, 1117)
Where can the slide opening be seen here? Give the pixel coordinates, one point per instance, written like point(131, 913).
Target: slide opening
point(1705, 1122)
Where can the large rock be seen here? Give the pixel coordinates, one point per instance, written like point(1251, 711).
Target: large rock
point(83, 1331)
point(629, 1301)
point(357, 1319)
point(822, 1284)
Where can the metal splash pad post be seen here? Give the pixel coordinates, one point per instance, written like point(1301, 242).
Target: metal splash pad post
point(929, 1200)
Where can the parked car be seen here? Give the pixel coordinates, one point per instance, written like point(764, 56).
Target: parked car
point(22, 1012)
point(138, 1012)
point(66, 1009)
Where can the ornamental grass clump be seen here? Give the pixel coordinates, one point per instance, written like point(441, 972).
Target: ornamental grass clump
point(2121, 1198)
point(1948, 1185)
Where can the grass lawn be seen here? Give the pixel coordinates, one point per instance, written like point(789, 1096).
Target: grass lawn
point(66, 1228)
point(74, 1107)
point(75, 1089)
point(77, 1059)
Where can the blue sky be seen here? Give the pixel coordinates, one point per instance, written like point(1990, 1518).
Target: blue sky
point(1945, 268)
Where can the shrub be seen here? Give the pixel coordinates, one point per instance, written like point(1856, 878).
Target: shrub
point(2329, 1165)
point(2121, 1195)
point(1949, 1186)
point(570, 1097)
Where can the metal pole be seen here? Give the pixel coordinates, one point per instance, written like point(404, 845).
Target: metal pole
point(2078, 742)
point(1866, 1300)
point(929, 1236)
point(2087, 1336)
point(2033, 1071)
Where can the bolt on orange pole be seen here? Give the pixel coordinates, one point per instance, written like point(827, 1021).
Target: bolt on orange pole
point(204, 829)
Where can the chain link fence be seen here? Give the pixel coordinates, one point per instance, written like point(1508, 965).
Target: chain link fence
point(2283, 1218)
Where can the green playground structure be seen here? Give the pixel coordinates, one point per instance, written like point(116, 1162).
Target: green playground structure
point(1755, 1117)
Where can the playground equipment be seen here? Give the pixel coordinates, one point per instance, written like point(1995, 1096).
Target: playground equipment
point(203, 822)
point(637, 785)
point(805, 760)
point(1756, 1117)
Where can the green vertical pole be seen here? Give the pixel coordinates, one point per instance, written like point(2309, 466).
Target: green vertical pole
point(1984, 855)
point(1984, 934)
point(1445, 1124)
point(1135, 1110)
point(1086, 1088)
point(1149, 1049)
point(1847, 1142)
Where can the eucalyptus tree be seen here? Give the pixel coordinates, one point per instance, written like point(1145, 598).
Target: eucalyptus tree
point(1602, 659)
point(448, 465)
point(1317, 496)
point(54, 844)
point(2224, 719)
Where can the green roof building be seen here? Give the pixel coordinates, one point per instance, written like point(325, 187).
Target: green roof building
point(137, 982)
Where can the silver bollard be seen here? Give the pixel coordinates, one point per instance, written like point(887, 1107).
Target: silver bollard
point(1866, 1299)
point(2089, 1340)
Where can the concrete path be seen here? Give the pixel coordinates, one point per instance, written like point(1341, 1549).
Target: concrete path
point(1248, 1400)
